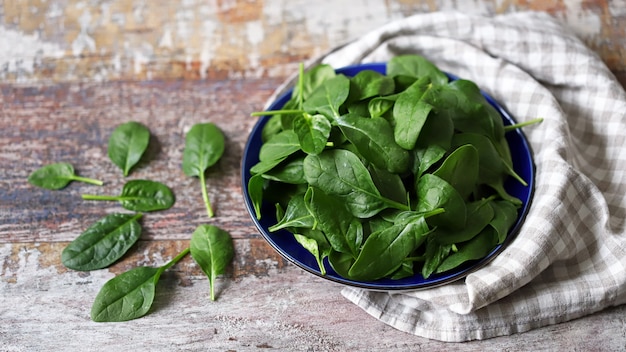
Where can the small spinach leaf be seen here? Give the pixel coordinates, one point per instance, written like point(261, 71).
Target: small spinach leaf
point(313, 132)
point(204, 146)
point(328, 98)
point(141, 195)
point(127, 144)
point(212, 248)
point(57, 176)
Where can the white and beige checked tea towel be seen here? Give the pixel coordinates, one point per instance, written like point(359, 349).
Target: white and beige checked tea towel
point(569, 259)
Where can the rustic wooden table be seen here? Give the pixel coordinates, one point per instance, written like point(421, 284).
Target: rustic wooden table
point(73, 70)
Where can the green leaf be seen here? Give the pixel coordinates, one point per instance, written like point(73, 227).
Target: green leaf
point(415, 66)
point(279, 146)
point(127, 144)
point(477, 248)
point(373, 138)
point(504, 216)
point(313, 247)
point(312, 79)
point(432, 193)
point(410, 113)
point(296, 215)
point(368, 84)
point(127, 296)
point(290, 172)
point(383, 252)
point(57, 176)
point(460, 169)
point(341, 172)
point(204, 146)
point(255, 191)
point(332, 217)
point(313, 132)
point(141, 195)
point(435, 254)
point(479, 214)
point(328, 98)
point(425, 158)
point(378, 106)
point(103, 243)
point(212, 248)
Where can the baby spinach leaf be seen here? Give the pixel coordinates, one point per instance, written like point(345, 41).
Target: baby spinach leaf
point(460, 169)
point(384, 251)
point(438, 129)
point(341, 262)
point(373, 138)
point(425, 158)
point(435, 254)
point(369, 83)
point(57, 176)
point(313, 247)
point(102, 243)
point(479, 214)
point(410, 112)
point(415, 66)
point(271, 128)
point(141, 195)
point(504, 216)
point(296, 215)
point(290, 172)
point(255, 190)
point(312, 79)
point(204, 146)
point(432, 193)
point(341, 172)
point(264, 166)
point(477, 248)
point(279, 146)
point(127, 144)
point(212, 248)
point(332, 217)
point(378, 106)
point(313, 132)
point(129, 295)
point(328, 98)
point(389, 184)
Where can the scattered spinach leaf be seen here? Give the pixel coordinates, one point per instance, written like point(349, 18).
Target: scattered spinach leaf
point(127, 144)
point(129, 295)
point(212, 248)
point(140, 195)
point(57, 176)
point(204, 146)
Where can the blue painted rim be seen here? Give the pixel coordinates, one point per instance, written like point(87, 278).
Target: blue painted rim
point(285, 244)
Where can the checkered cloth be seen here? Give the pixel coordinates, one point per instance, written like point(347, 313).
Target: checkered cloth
point(569, 259)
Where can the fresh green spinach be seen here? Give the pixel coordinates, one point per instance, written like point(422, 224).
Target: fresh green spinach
point(140, 195)
point(127, 144)
point(57, 176)
point(204, 146)
point(212, 248)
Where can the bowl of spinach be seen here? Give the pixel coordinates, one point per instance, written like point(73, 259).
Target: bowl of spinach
point(387, 176)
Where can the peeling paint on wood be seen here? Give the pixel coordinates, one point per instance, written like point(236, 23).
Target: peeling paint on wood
point(77, 40)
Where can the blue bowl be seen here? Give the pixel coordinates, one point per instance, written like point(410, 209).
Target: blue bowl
point(285, 243)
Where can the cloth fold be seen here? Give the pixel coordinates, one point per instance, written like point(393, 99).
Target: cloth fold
point(569, 258)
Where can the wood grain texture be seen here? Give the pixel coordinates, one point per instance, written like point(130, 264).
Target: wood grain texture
point(72, 70)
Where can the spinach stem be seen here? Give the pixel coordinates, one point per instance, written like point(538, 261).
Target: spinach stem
point(175, 260)
point(301, 85)
point(88, 180)
point(522, 124)
point(99, 197)
point(205, 196)
point(276, 112)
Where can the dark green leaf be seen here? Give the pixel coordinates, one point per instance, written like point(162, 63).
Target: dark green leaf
point(57, 176)
point(477, 248)
point(313, 247)
point(410, 113)
point(377, 107)
point(279, 146)
point(425, 158)
point(102, 243)
point(313, 132)
point(504, 216)
point(479, 214)
point(415, 66)
point(373, 138)
point(435, 254)
point(212, 248)
point(127, 144)
point(127, 296)
point(332, 217)
point(433, 193)
point(369, 83)
point(460, 169)
point(314, 78)
point(296, 215)
point(255, 191)
point(328, 98)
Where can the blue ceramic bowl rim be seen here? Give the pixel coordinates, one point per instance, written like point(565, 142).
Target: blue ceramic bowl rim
point(524, 166)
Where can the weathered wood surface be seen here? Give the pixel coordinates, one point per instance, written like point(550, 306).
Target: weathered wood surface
point(70, 71)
